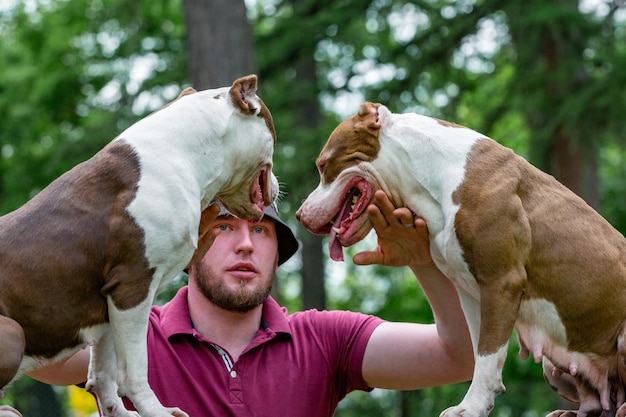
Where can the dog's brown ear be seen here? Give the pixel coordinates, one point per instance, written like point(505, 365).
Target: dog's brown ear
point(369, 109)
point(187, 91)
point(368, 118)
point(243, 91)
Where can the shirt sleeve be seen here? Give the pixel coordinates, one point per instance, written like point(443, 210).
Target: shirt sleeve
point(343, 337)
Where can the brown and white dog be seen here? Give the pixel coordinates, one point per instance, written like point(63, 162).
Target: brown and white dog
point(83, 260)
point(523, 251)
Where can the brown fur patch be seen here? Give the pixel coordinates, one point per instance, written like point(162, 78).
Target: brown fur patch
point(63, 250)
point(238, 91)
point(526, 236)
point(353, 141)
point(269, 121)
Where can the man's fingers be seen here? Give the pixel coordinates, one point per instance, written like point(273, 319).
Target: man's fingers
point(368, 258)
point(422, 227)
point(383, 203)
point(404, 216)
point(8, 411)
point(376, 217)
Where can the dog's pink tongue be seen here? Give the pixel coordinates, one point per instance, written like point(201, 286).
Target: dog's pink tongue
point(334, 246)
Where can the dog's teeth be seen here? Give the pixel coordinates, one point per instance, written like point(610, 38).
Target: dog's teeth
point(336, 230)
point(355, 200)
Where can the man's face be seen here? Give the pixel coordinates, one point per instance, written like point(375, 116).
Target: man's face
point(237, 272)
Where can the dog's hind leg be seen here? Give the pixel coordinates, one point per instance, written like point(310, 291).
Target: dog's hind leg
point(102, 378)
point(12, 345)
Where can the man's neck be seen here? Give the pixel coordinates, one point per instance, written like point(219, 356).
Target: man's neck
point(231, 330)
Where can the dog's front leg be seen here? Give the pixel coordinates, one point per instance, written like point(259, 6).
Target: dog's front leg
point(500, 299)
point(102, 378)
point(129, 329)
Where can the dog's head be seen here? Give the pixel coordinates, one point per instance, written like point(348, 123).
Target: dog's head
point(348, 180)
point(376, 149)
point(252, 130)
point(242, 158)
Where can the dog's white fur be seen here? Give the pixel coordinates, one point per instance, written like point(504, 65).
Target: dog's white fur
point(522, 250)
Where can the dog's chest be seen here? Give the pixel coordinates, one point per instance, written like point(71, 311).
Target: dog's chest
point(447, 254)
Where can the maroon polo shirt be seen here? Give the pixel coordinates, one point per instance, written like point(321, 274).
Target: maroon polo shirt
point(297, 365)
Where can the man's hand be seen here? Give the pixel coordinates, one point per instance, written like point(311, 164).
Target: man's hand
point(7, 411)
point(205, 239)
point(402, 239)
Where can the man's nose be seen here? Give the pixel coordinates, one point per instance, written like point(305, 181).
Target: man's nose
point(244, 242)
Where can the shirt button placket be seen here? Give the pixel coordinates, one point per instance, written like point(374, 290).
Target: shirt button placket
point(235, 387)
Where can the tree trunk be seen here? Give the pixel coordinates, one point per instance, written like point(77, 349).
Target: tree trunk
point(306, 111)
point(571, 158)
point(575, 165)
point(550, 52)
point(313, 288)
point(220, 49)
point(219, 42)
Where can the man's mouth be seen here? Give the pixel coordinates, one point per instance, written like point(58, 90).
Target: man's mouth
point(243, 267)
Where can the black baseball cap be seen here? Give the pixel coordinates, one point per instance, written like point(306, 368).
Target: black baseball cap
point(287, 242)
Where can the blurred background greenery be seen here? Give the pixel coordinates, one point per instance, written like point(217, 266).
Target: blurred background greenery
point(544, 77)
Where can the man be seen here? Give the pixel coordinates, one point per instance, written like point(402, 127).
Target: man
point(223, 347)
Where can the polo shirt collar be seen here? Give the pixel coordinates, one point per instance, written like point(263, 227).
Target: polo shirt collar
point(175, 318)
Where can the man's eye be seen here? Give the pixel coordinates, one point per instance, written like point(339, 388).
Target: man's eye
point(222, 227)
point(258, 230)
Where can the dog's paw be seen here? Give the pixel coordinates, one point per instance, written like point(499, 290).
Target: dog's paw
point(167, 412)
point(177, 412)
point(563, 413)
point(463, 410)
point(116, 409)
point(8, 411)
point(120, 413)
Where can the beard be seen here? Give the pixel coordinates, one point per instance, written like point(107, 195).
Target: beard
point(241, 300)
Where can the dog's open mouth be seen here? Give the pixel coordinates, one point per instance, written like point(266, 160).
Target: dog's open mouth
point(350, 209)
point(260, 192)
